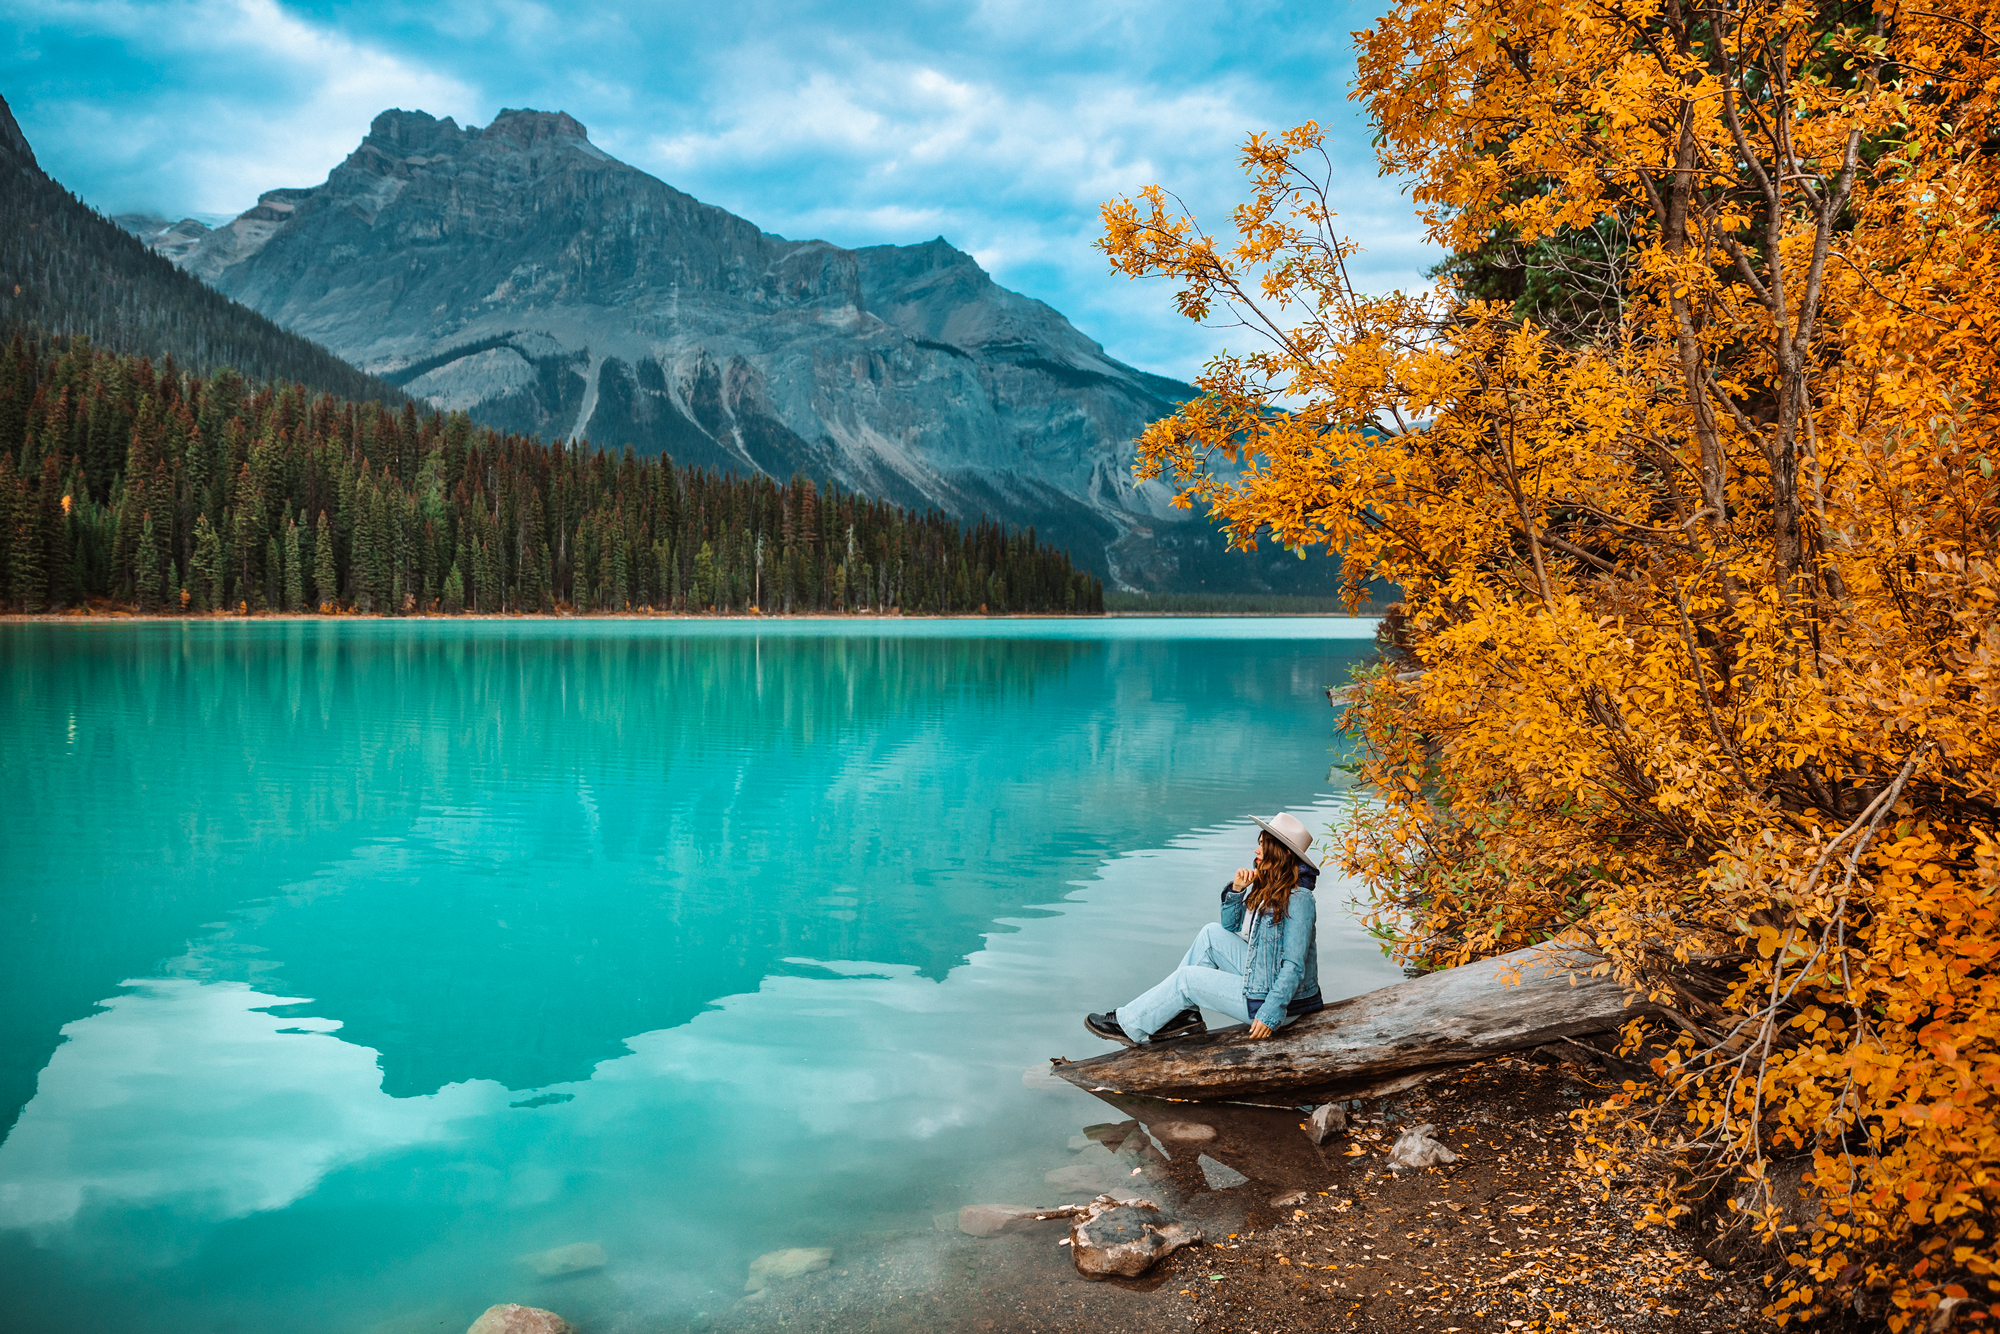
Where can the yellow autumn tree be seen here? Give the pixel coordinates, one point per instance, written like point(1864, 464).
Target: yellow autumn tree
point(1686, 472)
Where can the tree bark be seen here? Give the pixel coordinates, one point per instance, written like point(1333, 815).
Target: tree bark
point(1383, 1041)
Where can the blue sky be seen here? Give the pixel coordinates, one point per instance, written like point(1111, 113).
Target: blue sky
point(1001, 126)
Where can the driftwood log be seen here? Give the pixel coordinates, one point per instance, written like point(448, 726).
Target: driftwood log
point(1381, 1042)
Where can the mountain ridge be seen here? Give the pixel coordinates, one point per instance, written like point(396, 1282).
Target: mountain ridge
point(66, 269)
point(520, 273)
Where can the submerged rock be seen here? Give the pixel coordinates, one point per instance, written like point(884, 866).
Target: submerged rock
point(577, 1258)
point(781, 1266)
point(1219, 1176)
point(1084, 1178)
point(990, 1220)
point(1125, 1238)
point(1415, 1148)
point(1184, 1132)
point(511, 1319)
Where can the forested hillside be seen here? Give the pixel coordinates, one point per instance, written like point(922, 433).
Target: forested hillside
point(67, 269)
point(174, 492)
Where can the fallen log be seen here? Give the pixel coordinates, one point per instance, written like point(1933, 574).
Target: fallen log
point(1380, 1042)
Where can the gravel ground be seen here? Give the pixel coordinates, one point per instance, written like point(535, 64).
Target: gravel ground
point(1507, 1239)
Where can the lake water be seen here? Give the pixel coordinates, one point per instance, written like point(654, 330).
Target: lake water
point(349, 961)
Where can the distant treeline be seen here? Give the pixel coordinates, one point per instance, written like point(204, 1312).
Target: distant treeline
point(69, 269)
point(170, 492)
point(1239, 604)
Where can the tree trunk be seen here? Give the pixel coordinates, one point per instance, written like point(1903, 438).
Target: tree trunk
point(1383, 1041)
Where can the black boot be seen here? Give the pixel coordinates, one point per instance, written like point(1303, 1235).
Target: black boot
point(1188, 1023)
point(1106, 1026)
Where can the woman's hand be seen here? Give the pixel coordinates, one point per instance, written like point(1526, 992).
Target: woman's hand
point(1244, 876)
point(1259, 1030)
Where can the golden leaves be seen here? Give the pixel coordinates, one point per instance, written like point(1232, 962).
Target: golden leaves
point(1704, 597)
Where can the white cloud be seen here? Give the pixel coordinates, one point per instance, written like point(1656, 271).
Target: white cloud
point(1002, 127)
point(267, 99)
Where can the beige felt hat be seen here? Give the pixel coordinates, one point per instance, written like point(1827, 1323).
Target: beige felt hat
point(1288, 831)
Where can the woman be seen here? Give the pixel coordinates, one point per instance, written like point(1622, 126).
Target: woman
point(1267, 976)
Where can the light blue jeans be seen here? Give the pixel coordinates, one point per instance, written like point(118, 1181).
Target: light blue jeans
point(1211, 976)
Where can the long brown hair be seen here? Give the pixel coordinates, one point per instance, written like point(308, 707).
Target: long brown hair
point(1277, 876)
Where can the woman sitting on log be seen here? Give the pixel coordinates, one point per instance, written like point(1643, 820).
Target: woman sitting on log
point(1267, 976)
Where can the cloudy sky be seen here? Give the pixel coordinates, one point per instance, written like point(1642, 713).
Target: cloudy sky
point(1001, 126)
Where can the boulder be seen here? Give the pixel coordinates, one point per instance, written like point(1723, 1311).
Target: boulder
point(1325, 1122)
point(510, 1319)
point(1114, 1237)
point(1183, 1132)
point(781, 1266)
point(577, 1258)
point(990, 1220)
point(1415, 1148)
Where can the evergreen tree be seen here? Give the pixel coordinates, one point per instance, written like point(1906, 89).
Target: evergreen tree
point(148, 574)
point(295, 590)
point(205, 569)
point(364, 557)
point(223, 470)
point(246, 541)
point(453, 598)
point(326, 581)
point(704, 578)
point(274, 575)
point(486, 584)
point(26, 576)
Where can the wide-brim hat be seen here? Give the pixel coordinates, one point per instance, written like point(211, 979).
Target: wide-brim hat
point(1289, 831)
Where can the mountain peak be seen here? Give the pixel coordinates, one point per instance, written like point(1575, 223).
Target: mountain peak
point(12, 141)
point(526, 126)
point(410, 132)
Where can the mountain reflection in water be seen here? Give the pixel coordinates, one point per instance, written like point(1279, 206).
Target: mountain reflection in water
point(393, 939)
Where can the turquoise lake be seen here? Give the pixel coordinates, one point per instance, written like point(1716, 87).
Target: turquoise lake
point(349, 961)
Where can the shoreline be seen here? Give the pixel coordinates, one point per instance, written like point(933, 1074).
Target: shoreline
point(121, 615)
point(1305, 1239)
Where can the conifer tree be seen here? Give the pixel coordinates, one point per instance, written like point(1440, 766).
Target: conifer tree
point(363, 558)
point(274, 575)
point(246, 540)
point(399, 502)
point(25, 573)
point(55, 535)
point(453, 598)
point(326, 582)
point(205, 569)
point(486, 575)
point(295, 593)
point(704, 577)
point(148, 572)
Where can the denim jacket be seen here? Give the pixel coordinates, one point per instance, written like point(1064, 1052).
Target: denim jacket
point(1282, 971)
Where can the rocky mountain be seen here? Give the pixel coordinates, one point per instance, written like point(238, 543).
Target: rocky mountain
point(522, 274)
point(172, 239)
point(66, 269)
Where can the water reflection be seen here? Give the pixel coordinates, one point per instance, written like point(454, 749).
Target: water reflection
point(694, 948)
point(494, 851)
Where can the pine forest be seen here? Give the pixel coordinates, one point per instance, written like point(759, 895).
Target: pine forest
point(66, 268)
point(150, 488)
